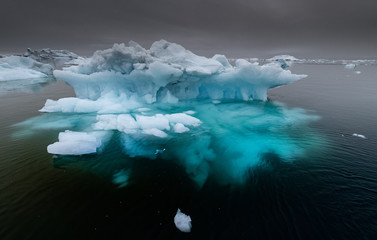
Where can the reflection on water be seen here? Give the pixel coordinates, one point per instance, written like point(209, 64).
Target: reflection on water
point(25, 85)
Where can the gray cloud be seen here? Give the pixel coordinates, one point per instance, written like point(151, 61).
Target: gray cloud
point(237, 27)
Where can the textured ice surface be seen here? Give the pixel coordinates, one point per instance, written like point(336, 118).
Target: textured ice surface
point(156, 125)
point(284, 61)
point(56, 58)
point(18, 68)
point(182, 221)
point(167, 72)
point(76, 143)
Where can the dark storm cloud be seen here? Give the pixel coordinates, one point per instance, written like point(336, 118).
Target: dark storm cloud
point(201, 25)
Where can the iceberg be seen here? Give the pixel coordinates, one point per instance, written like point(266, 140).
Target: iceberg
point(20, 68)
point(167, 72)
point(182, 222)
point(166, 103)
point(55, 58)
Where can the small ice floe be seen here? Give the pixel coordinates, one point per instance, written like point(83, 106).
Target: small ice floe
point(159, 151)
point(357, 72)
point(190, 112)
point(359, 135)
point(216, 101)
point(182, 221)
point(76, 143)
point(121, 178)
point(350, 66)
point(180, 128)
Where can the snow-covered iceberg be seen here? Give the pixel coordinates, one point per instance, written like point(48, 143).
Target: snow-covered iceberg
point(168, 103)
point(167, 72)
point(19, 68)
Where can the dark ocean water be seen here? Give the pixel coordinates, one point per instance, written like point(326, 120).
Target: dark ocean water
point(330, 192)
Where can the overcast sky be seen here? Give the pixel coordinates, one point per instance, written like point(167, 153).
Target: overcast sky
point(237, 28)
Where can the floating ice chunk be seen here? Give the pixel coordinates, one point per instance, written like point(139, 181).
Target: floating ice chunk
point(284, 57)
point(17, 68)
point(357, 72)
point(284, 61)
point(155, 132)
point(359, 135)
point(183, 119)
point(150, 125)
point(107, 104)
point(123, 122)
point(182, 221)
point(190, 112)
point(180, 128)
point(121, 178)
point(350, 66)
point(157, 121)
point(75, 143)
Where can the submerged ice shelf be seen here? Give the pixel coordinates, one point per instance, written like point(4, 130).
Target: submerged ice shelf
point(221, 140)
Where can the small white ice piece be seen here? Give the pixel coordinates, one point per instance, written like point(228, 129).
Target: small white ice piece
point(359, 135)
point(350, 66)
point(180, 128)
point(182, 221)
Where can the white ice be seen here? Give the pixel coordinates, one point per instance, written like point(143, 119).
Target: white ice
point(359, 135)
point(166, 72)
point(350, 66)
point(182, 222)
point(156, 125)
point(75, 143)
point(19, 68)
point(180, 128)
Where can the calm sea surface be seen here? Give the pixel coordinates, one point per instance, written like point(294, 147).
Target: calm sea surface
point(326, 193)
